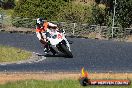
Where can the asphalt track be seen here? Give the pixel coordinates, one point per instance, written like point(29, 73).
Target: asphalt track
point(94, 55)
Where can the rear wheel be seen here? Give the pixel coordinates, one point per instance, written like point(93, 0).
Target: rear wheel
point(66, 51)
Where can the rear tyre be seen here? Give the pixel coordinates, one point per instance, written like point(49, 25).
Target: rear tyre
point(66, 51)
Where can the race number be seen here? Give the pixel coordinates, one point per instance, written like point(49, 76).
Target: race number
point(59, 36)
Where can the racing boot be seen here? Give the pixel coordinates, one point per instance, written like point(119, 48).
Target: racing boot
point(46, 49)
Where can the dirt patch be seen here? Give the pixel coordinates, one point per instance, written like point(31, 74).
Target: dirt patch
point(12, 77)
point(129, 38)
point(18, 30)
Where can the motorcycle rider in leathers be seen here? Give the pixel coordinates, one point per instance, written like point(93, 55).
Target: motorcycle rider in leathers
point(41, 26)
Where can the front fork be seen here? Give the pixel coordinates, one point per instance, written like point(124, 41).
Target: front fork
point(67, 43)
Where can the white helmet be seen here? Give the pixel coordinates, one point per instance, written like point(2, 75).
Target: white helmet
point(39, 22)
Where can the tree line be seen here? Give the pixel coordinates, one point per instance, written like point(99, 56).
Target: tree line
point(100, 12)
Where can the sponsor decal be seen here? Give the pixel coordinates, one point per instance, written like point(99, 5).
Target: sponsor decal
point(110, 82)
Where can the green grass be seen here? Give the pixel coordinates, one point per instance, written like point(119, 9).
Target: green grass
point(8, 12)
point(10, 54)
point(53, 84)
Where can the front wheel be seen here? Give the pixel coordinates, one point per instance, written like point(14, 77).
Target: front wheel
point(53, 51)
point(66, 51)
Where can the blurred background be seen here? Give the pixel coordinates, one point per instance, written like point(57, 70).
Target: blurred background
point(79, 18)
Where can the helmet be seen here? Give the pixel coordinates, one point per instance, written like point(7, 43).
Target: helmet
point(39, 22)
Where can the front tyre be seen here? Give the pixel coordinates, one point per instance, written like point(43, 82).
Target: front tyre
point(66, 51)
point(53, 51)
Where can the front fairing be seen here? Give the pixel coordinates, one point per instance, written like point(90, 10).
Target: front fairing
point(54, 37)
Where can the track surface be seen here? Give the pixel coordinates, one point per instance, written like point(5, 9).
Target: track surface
point(94, 55)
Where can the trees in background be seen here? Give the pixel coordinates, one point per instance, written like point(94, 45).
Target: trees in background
point(65, 10)
point(38, 8)
point(123, 16)
point(59, 10)
point(124, 13)
point(7, 4)
point(76, 13)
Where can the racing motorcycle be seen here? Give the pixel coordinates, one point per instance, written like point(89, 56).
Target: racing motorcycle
point(57, 42)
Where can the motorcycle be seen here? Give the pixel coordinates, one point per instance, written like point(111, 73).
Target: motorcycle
point(57, 42)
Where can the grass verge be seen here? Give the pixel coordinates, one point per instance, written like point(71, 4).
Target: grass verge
point(40, 78)
point(53, 84)
point(11, 54)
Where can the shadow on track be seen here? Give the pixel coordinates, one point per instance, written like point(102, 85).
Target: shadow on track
point(50, 55)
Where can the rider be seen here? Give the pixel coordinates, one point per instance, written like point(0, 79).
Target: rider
point(41, 26)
